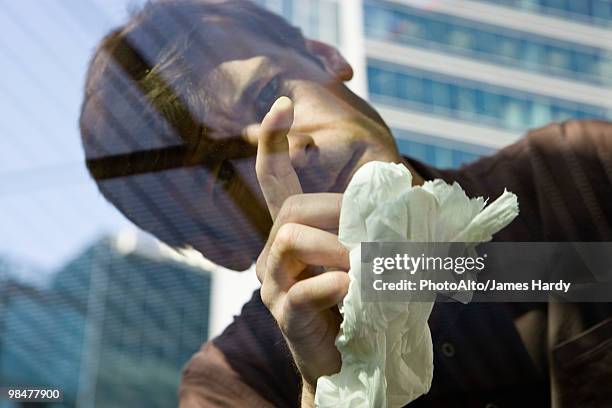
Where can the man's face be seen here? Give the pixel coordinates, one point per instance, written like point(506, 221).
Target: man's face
point(334, 132)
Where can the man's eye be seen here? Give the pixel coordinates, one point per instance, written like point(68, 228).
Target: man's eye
point(268, 95)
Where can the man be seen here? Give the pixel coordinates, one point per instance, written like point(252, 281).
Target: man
point(214, 124)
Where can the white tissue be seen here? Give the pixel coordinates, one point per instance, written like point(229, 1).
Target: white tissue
point(386, 347)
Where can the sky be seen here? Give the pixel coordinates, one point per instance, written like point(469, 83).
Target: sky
point(50, 209)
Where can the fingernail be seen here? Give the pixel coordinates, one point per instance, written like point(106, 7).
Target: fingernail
point(282, 103)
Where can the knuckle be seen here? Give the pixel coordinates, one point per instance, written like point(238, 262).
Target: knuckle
point(287, 317)
point(286, 237)
point(290, 208)
point(261, 168)
point(260, 268)
point(342, 254)
point(339, 282)
point(296, 298)
point(263, 175)
point(267, 297)
point(339, 197)
point(283, 324)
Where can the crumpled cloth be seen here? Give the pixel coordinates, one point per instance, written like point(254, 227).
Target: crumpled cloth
point(386, 347)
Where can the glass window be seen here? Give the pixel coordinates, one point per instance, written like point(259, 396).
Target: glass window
point(605, 70)
point(580, 7)
point(427, 86)
point(513, 112)
point(376, 20)
point(407, 28)
point(466, 103)
point(493, 104)
point(438, 152)
point(412, 149)
point(441, 94)
point(317, 18)
point(460, 158)
point(328, 28)
point(421, 24)
point(410, 88)
point(443, 157)
point(555, 4)
point(470, 101)
point(408, 25)
point(557, 57)
point(561, 113)
point(430, 154)
point(480, 101)
point(460, 37)
point(585, 11)
point(437, 31)
point(540, 113)
point(486, 42)
point(382, 82)
point(528, 5)
point(602, 9)
point(586, 63)
point(507, 46)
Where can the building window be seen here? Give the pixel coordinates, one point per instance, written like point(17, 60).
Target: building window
point(410, 26)
point(469, 100)
point(597, 12)
point(317, 19)
point(437, 152)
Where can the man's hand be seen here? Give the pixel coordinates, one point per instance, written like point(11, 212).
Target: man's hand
point(302, 267)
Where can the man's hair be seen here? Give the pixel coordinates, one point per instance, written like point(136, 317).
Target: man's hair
point(143, 118)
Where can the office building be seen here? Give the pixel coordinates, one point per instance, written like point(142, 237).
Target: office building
point(113, 329)
point(456, 79)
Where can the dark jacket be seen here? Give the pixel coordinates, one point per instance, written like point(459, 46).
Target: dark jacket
point(486, 354)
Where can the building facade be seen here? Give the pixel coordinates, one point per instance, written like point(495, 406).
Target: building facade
point(113, 328)
point(456, 79)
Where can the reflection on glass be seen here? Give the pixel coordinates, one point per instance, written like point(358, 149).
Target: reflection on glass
point(586, 11)
point(411, 26)
point(435, 151)
point(317, 18)
point(112, 328)
point(469, 100)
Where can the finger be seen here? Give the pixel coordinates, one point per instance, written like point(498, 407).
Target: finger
point(317, 293)
point(277, 177)
point(318, 210)
point(295, 247)
point(305, 299)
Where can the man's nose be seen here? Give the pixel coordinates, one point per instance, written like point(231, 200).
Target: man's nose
point(301, 147)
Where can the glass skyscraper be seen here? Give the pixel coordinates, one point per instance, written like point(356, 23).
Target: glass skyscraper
point(113, 328)
point(459, 79)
